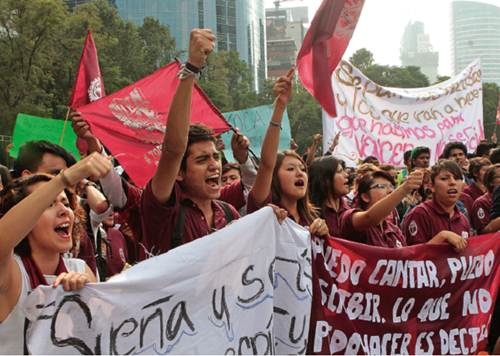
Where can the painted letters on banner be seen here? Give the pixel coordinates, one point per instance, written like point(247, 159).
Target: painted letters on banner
point(385, 122)
point(415, 300)
point(245, 289)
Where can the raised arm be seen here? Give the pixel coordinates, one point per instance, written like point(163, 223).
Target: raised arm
point(379, 211)
point(311, 150)
point(262, 187)
point(175, 141)
point(20, 220)
point(240, 145)
point(83, 132)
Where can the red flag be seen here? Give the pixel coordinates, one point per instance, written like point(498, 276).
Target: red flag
point(324, 45)
point(498, 112)
point(89, 85)
point(131, 122)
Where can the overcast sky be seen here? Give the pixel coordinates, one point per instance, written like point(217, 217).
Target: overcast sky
point(382, 24)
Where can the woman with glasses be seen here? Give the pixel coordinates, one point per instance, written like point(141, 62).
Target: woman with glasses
point(371, 222)
point(439, 219)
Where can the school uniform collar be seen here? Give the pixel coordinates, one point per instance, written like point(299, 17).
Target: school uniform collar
point(436, 208)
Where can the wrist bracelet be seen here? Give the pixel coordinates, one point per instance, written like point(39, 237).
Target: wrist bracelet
point(274, 123)
point(64, 179)
point(185, 72)
point(192, 68)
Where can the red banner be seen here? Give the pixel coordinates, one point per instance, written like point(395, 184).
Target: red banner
point(88, 86)
point(131, 122)
point(415, 300)
point(324, 45)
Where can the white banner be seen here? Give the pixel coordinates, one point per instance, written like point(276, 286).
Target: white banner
point(385, 122)
point(245, 289)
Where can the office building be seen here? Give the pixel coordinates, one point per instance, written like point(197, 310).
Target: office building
point(476, 34)
point(416, 50)
point(239, 25)
point(285, 32)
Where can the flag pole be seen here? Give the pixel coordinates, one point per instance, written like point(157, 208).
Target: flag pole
point(64, 127)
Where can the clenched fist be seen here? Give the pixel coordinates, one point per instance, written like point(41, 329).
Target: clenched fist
point(201, 44)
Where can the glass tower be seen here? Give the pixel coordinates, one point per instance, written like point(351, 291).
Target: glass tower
point(239, 25)
point(476, 34)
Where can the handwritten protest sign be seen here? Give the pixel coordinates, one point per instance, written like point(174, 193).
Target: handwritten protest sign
point(253, 123)
point(244, 289)
point(385, 122)
point(416, 300)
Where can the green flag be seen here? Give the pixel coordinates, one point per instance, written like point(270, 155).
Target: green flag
point(32, 128)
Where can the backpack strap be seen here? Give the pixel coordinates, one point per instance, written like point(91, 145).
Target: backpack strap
point(179, 228)
point(228, 213)
point(181, 216)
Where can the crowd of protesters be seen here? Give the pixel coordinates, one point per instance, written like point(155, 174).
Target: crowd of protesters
point(70, 223)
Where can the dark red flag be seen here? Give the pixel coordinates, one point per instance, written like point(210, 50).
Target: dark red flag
point(324, 45)
point(131, 122)
point(421, 299)
point(88, 85)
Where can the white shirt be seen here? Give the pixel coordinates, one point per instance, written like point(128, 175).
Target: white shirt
point(12, 328)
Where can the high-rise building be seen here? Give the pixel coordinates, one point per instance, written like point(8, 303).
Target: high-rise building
point(239, 25)
point(476, 34)
point(416, 50)
point(285, 32)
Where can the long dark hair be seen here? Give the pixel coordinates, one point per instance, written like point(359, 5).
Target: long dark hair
point(18, 189)
point(304, 207)
point(321, 177)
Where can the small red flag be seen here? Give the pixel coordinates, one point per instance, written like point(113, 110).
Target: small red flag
point(131, 122)
point(88, 85)
point(324, 45)
point(498, 111)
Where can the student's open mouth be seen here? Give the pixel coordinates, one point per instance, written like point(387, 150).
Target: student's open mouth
point(63, 230)
point(213, 181)
point(299, 183)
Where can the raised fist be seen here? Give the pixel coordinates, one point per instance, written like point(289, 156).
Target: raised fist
point(201, 44)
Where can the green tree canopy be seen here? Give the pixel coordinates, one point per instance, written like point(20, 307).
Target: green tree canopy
point(41, 43)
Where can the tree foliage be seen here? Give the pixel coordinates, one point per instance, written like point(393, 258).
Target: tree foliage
point(490, 102)
point(41, 43)
point(227, 81)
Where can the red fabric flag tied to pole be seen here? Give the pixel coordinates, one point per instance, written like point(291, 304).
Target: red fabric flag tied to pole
point(89, 85)
point(324, 45)
point(131, 122)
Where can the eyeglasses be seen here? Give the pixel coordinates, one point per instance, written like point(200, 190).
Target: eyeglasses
point(382, 186)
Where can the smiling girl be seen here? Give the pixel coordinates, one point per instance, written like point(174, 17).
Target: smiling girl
point(36, 227)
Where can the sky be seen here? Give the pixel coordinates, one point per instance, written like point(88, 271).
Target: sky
point(382, 23)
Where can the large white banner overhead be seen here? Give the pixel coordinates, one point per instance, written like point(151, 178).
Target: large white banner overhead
point(245, 289)
point(385, 122)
